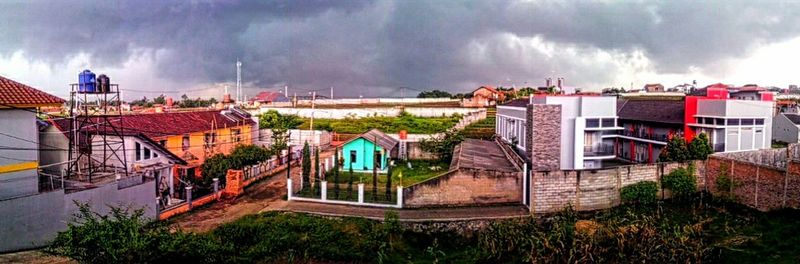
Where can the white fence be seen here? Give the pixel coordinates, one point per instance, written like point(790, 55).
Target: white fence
point(368, 111)
point(323, 197)
point(297, 137)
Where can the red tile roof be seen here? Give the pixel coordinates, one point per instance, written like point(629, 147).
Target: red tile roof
point(269, 97)
point(16, 94)
point(170, 123)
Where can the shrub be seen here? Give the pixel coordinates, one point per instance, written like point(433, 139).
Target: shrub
point(680, 181)
point(643, 192)
point(218, 165)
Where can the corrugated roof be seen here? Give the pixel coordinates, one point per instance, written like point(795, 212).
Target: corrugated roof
point(379, 138)
point(651, 110)
point(16, 94)
point(483, 155)
point(795, 118)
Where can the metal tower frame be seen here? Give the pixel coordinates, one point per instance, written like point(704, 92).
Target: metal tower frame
point(95, 116)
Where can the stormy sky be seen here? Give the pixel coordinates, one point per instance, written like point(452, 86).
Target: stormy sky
point(372, 48)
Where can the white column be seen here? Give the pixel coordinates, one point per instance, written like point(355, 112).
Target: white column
point(399, 196)
point(289, 189)
point(360, 193)
point(524, 183)
point(324, 190)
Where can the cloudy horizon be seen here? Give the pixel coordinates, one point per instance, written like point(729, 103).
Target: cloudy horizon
point(372, 48)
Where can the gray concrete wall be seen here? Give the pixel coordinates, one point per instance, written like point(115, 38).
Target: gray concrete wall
point(784, 130)
point(19, 183)
point(35, 220)
point(19, 127)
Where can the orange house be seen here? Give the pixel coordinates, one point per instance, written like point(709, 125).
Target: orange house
point(484, 96)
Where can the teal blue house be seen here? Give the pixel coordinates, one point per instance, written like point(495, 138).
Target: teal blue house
point(372, 149)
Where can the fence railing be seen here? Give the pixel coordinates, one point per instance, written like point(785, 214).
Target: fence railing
point(268, 166)
point(598, 150)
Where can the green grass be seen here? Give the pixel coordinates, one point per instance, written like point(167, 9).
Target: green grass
point(483, 129)
point(420, 170)
point(690, 231)
point(412, 124)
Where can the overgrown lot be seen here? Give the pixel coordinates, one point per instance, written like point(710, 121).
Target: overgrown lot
point(690, 231)
point(412, 124)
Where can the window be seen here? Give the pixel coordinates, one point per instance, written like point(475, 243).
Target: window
point(608, 122)
point(353, 156)
point(235, 135)
point(733, 122)
point(759, 121)
point(163, 142)
point(720, 121)
point(155, 155)
point(210, 139)
point(138, 148)
point(146, 153)
point(709, 121)
point(747, 122)
point(593, 122)
point(185, 143)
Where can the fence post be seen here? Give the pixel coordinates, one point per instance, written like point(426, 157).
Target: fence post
point(289, 189)
point(360, 193)
point(189, 196)
point(324, 190)
point(216, 186)
point(158, 206)
point(399, 196)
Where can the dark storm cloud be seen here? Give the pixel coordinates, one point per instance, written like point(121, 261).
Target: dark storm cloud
point(373, 47)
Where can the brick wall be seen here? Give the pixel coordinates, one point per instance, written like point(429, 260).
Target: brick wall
point(760, 186)
point(544, 137)
point(596, 189)
point(465, 187)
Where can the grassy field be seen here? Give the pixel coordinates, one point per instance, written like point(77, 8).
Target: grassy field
point(412, 124)
point(690, 231)
point(483, 129)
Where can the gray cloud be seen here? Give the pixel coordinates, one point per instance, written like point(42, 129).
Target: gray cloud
point(372, 48)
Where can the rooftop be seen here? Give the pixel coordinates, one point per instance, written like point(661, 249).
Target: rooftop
point(379, 138)
point(651, 110)
point(169, 123)
point(15, 94)
point(482, 155)
point(795, 118)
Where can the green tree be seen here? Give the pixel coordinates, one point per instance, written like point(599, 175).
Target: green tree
point(680, 181)
point(317, 174)
point(389, 183)
point(434, 94)
point(700, 147)
point(336, 172)
point(216, 166)
point(350, 183)
point(443, 144)
point(280, 140)
point(306, 166)
point(676, 150)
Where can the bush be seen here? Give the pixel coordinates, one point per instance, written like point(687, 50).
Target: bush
point(218, 165)
point(643, 192)
point(680, 181)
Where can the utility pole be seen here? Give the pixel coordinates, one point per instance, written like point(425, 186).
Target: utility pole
point(286, 91)
point(313, 97)
point(331, 92)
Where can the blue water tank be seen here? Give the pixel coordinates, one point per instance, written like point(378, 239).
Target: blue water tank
point(87, 82)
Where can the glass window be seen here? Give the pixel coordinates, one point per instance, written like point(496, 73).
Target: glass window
point(353, 156)
point(720, 121)
point(698, 120)
point(593, 122)
point(733, 122)
point(209, 139)
point(185, 143)
point(146, 153)
point(235, 135)
point(608, 122)
point(155, 155)
point(138, 148)
point(709, 121)
point(759, 121)
point(747, 122)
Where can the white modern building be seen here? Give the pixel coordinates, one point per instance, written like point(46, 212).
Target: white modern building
point(734, 125)
point(560, 132)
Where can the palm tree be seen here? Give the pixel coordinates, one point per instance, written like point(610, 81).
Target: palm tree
point(317, 173)
point(306, 166)
point(350, 183)
point(336, 172)
point(389, 183)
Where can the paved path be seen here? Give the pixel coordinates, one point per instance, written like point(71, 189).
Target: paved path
point(411, 215)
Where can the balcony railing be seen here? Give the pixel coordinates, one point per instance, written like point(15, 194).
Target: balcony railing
point(644, 135)
point(598, 150)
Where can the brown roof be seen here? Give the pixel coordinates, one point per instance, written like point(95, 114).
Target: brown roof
point(482, 154)
point(15, 94)
point(651, 110)
point(170, 123)
point(521, 102)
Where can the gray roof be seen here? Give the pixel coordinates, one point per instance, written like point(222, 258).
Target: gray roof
point(379, 138)
point(795, 118)
point(482, 154)
point(662, 111)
